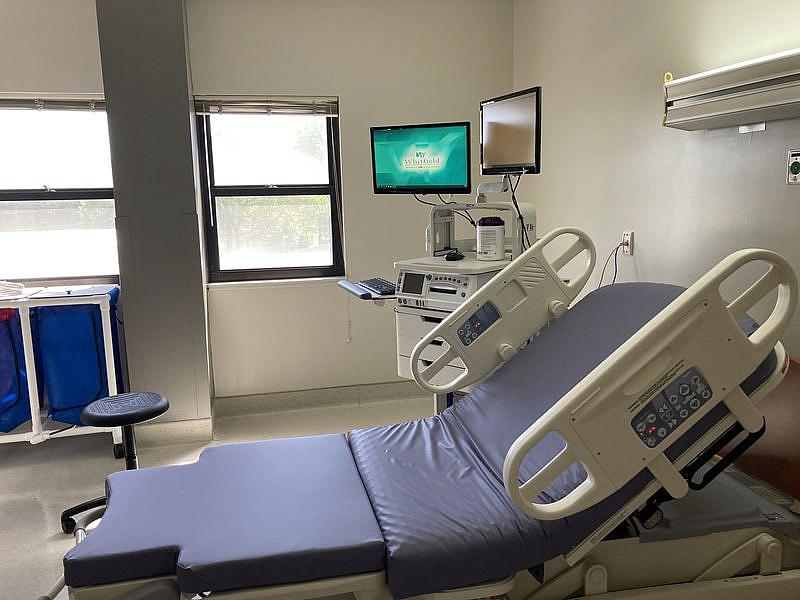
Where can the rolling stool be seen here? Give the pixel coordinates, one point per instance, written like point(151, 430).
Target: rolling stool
point(122, 410)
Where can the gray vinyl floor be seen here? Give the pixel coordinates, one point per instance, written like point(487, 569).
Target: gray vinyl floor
point(37, 482)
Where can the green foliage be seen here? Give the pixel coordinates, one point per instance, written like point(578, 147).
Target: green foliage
point(273, 223)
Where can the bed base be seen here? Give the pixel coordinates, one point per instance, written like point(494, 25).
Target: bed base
point(745, 563)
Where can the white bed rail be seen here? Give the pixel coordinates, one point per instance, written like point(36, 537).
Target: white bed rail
point(626, 413)
point(526, 296)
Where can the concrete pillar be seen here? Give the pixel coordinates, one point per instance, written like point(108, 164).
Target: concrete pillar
point(151, 127)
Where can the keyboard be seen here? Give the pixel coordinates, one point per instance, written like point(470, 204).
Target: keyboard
point(378, 286)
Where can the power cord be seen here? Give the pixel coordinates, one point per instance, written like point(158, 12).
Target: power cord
point(514, 187)
point(467, 216)
point(466, 212)
point(605, 265)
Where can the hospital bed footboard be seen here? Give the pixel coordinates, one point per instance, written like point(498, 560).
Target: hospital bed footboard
point(625, 415)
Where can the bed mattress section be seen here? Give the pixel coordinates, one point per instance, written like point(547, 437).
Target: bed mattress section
point(436, 485)
point(244, 515)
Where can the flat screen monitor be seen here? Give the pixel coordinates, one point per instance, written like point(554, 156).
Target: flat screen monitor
point(511, 133)
point(421, 159)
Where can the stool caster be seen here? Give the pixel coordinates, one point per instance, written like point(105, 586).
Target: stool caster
point(68, 525)
point(119, 451)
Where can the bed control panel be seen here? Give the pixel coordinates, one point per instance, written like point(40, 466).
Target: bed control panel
point(477, 323)
point(671, 407)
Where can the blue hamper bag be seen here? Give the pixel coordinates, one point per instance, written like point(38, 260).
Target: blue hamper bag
point(15, 406)
point(73, 358)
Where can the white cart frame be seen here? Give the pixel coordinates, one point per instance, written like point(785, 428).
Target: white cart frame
point(39, 432)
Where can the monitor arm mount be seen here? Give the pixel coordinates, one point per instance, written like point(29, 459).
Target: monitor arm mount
point(492, 187)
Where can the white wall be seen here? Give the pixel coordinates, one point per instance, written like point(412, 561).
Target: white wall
point(609, 165)
point(49, 46)
point(390, 63)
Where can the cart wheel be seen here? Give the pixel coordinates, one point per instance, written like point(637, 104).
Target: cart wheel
point(119, 451)
point(68, 525)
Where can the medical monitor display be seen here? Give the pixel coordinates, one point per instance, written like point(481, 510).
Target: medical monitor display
point(421, 159)
point(413, 283)
point(510, 133)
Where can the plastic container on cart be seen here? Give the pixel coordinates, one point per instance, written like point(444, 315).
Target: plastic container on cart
point(73, 357)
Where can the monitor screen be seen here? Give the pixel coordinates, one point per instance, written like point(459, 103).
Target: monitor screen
point(510, 133)
point(413, 283)
point(421, 159)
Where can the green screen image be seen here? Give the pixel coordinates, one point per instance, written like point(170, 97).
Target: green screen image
point(421, 157)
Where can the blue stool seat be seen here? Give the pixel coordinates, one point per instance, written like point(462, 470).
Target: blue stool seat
point(124, 409)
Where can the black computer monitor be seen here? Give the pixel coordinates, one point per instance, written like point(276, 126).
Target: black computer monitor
point(432, 158)
point(511, 136)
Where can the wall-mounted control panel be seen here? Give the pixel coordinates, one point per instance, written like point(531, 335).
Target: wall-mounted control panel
point(671, 407)
point(793, 168)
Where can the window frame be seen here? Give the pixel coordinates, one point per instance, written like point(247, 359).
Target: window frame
point(210, 192)
point(48, 194)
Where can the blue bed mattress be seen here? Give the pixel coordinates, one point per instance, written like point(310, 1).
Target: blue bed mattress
point(436, 485)
point(243, 515)
point(423, 500)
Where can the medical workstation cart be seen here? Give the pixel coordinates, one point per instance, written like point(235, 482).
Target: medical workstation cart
point(47, 324)
point(429, 288)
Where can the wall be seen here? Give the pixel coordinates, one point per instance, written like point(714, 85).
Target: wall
point(390, 63)
point(49, 46)
point(609, 165)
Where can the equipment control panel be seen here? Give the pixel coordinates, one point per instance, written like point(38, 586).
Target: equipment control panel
point(432, 282)
point(477, 323)
point(671, 407)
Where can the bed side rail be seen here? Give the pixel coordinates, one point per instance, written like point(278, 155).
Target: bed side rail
point(624, 415)
point(492, 325)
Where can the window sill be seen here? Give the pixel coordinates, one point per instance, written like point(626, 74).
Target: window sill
point(262, 283)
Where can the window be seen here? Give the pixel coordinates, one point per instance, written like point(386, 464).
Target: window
point(56, 196)
point(271, 185)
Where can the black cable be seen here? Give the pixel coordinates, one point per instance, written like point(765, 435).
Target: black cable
point(519, 212)
point(616, 252)
point(421, 201)
point(466, 212)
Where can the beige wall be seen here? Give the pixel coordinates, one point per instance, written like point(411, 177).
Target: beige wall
point(49, 46)
point(609, 165)
point(388, 65)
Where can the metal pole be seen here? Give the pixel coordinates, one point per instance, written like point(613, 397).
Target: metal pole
point(108, 349)
point(30, 369)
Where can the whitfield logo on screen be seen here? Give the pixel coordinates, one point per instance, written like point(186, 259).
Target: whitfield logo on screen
point(421, 159)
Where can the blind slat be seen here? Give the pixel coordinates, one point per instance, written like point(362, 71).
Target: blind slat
point(271, 105)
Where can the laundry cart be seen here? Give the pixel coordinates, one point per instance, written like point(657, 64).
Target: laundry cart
point(69, 348)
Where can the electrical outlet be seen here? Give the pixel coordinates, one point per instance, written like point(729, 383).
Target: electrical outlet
point(627, 242)
point(793, 168)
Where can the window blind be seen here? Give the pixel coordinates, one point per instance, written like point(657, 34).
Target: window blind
point(270, 105)
point(88, 103)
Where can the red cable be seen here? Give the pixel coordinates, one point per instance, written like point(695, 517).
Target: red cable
point(603, 273)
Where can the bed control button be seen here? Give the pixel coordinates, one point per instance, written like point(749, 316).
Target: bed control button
point(651, 418)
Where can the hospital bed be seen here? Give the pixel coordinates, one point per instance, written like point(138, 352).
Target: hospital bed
point(563, 464)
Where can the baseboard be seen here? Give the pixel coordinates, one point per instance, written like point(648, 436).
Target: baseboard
point(354, 395)
point(174, 432)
